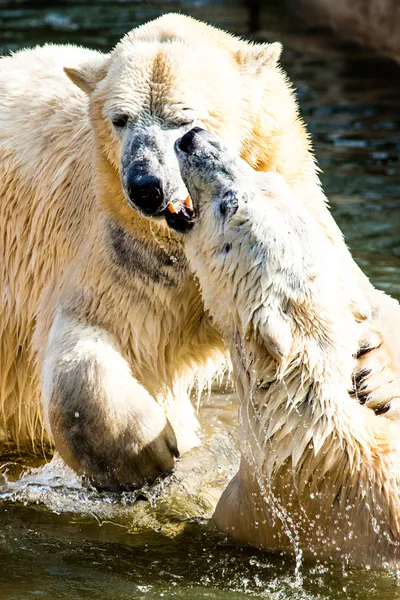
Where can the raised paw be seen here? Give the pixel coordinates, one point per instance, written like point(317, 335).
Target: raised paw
point(376, 380)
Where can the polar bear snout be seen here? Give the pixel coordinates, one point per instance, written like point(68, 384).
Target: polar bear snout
point(149, 169)
point(208, 170)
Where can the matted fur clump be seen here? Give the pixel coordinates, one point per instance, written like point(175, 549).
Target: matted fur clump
point(320, 472)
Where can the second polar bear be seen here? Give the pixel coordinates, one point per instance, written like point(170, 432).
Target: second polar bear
point(319, 471)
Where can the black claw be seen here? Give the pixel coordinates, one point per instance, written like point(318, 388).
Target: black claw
point(364, 398)
point(174, 450)
point(362, 387)
point(381, 410)
point(364, 349)
point(360, 376)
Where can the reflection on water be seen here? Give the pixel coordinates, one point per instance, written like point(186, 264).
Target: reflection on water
point(350, 100)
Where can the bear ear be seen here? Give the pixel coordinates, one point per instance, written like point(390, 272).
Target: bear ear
point(253, 58)
point(88, 74)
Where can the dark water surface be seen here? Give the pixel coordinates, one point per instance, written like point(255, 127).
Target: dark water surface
point(350, 99)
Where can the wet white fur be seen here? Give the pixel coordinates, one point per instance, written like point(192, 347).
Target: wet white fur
point(320, 473)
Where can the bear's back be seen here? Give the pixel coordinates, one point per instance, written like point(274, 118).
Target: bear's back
point(40, 108)
point(46, 155)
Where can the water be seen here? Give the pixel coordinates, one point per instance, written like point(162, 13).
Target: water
point(350, 100)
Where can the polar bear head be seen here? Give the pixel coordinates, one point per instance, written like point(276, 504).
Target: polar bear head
point(242, 245)
point(266, 268)
point(161, 80)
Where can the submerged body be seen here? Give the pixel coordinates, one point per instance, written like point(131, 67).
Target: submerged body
point(320, 472)
point(102, 326)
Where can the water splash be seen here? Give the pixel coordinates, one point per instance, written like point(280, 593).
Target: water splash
point(254, 453)
point(191, 491)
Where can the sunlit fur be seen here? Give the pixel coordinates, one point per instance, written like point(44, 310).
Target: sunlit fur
point(61, 189)
point(320, 473)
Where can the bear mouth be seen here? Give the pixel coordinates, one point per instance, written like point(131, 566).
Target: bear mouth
point(180, 216)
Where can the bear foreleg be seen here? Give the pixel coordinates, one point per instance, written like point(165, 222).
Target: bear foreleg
point(103, 422)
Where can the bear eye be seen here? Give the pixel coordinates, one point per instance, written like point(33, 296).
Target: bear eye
point(119, 121)
point(186, 117)
point(228, 203)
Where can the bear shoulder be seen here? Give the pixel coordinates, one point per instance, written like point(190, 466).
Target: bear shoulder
point(44, 122)
point(34, 80)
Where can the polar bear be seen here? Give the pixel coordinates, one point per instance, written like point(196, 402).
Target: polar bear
point(319, 472)
point(102, 326)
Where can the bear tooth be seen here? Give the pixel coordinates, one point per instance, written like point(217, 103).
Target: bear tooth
point(171, 208)
point(188, 202)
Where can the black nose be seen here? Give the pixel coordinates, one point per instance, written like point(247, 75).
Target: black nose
point(145, 192)
point(199, 141)
point(189, 141)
